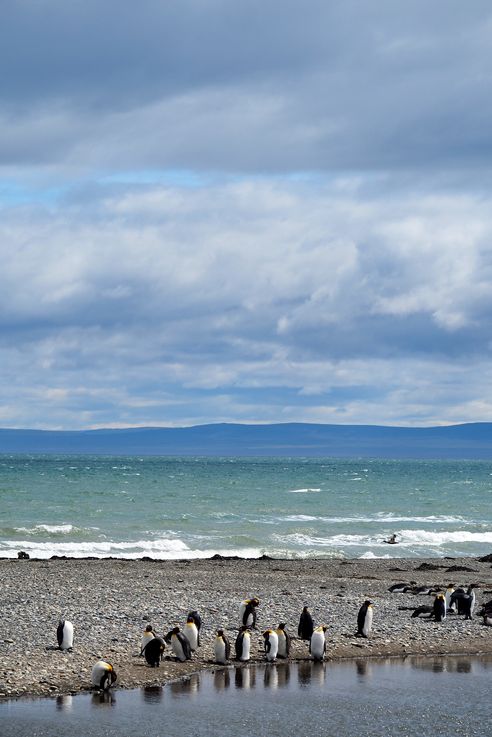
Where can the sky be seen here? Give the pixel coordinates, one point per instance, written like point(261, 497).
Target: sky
point(243, 211)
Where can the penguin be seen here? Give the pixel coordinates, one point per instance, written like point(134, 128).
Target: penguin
point(243, 644)
point(191, 633)
point(283, 641)
point(147, 636)
point(103, 675)
point(317, 645)
point(306, 627)
point(469, 601)
point(439, 608)
point(448, 594)
point(222, 648)
point(179, 644)
point(271, 645)
point(64, 635)
point(424, 609)
point(247, 612)
point(153, 651)
point(401, 588)
point(364, 619)
point(198, 621)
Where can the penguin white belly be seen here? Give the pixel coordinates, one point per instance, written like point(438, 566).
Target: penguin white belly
point(190, 631)
point(249, 619)
point(245, 655)
point(366, 629)
point(146, 638)
point(100, 669)
point(67, 638)
point(177, 648)
point(318, 645)
point(282, 645)
point(220, 651)
point(272, 652)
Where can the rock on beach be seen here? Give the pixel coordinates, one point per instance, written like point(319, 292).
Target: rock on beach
point(111, 601)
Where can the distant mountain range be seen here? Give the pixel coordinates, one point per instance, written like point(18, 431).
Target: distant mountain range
point(473, 441)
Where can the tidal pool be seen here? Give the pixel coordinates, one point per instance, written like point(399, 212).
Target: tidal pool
point(412, 697)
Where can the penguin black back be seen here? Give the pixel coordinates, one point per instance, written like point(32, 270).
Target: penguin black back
point(153, 651)
point(306, 627)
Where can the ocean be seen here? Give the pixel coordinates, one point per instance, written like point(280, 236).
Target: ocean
point(408, 698)
point(176, 508)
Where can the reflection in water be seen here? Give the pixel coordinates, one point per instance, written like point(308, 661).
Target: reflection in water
point(103, 698)
point(189, 686)
point(362, 667)
point(443, 664)
point(222, 679)
point(245, 677)
point(64, 702)
point(152, 694)
point(311, 672)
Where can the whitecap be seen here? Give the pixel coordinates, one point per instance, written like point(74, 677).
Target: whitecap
point(304, 491)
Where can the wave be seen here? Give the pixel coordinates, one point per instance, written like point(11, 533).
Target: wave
point(303, 491)
point(407, 538)
point(66, 529)
point(378, 518)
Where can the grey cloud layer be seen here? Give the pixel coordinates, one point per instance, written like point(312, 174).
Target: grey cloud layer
point(246, 86)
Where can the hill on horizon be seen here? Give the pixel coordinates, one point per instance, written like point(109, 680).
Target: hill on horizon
point(464, 441)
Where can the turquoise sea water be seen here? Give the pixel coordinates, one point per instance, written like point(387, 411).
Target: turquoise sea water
point(410, 698)
point(195, 507)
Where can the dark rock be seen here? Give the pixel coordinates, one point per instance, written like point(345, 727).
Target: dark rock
point(22, 555)
point(460, 568)
point(485, 558)
point(428, 567)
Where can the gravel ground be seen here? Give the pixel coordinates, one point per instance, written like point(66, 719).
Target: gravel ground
point(110, 602)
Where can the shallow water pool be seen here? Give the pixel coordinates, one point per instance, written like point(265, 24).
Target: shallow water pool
point(412, 697)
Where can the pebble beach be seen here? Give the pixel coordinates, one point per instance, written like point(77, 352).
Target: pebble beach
point(111, 601)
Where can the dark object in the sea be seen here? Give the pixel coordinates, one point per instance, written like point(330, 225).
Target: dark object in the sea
point(460, 568)
point(485, 558)
point(428, 567)
point(22, 555)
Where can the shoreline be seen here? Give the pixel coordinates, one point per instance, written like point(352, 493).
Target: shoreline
point(111, 600)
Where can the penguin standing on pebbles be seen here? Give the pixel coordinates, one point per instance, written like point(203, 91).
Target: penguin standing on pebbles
point(154, 651)
point(198, 622)
point(191, 633)
point(283, 641)
point(439, 608)
point(271, 645)
point(64, 635)
point(147, 636)
point(364, 619)
point(243, 644)
point(222, 648)
point(179, 644)
point(247, 612)
point(103, 675)
point(317, 645)
point(306, 626)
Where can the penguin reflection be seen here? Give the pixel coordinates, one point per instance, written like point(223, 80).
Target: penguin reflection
point(245, 677)
point(222, 679)
point(309, 672)
point(64, 702)
point(270, 676)
point(188, 686)
point(103, 698)
point(152, 694)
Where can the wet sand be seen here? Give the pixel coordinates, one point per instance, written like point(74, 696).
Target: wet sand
point(110, 602)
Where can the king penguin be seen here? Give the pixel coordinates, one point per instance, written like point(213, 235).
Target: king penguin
point(449, 592)
point(271, 645)
point(147, 636)
point(222, 648)
point(364, 619)
point(306, 627)
point(317, 645)
point(198, 621)
point(247, 612)
point(191, 633)
point(243, 644)
point(64, 635)
point(283, 641)
point(179, 644)
point(439, 608)
point(103, 675)
point(154, 651)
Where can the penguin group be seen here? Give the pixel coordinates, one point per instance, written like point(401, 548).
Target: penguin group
point(460, 601)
